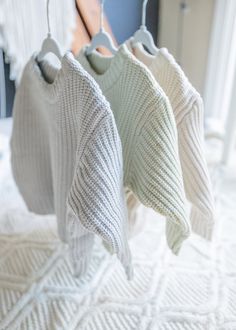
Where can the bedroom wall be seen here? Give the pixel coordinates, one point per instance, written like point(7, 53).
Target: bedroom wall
point(189, 43)
point(125, 17)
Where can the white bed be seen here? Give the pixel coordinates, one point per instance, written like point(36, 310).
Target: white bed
point(196, 290)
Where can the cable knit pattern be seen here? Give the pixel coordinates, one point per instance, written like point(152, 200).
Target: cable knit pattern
point(194, 291)
point(148, 134)
point(187, 107)
point(65, 145)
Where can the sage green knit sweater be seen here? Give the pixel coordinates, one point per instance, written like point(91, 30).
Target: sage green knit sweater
point(147, 129)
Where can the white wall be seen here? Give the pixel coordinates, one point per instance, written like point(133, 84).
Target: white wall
point(192, 49)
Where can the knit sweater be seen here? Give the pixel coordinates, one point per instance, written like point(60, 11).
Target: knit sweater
point(187, 107)
point(65, 146)
point(148, 135)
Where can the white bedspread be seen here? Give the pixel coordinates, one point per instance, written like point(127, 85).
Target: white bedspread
point(195, 291)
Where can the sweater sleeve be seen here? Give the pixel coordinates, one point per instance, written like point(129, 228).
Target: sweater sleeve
point(96, 197)
point(195, 172)
point(156, 173)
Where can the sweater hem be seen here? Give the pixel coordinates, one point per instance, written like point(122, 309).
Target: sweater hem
point(200, 226)
point(124, 256)
point(175, 236)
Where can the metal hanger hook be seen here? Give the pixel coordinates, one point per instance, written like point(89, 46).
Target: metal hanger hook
point(102, 15)
point(48, 19)
point(144, 13)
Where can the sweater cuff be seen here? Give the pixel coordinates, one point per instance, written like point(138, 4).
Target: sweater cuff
point(200, 225)
point(126, 260)
point(124, 257)
point(175, 236)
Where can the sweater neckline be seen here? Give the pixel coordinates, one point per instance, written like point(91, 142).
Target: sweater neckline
point(104, 69)
point(150, 61)
point(51, 90)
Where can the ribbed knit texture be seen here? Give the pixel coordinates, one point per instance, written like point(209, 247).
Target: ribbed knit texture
point(188, 110)
point(196, 291)
point(148, 134)
point(65, 145)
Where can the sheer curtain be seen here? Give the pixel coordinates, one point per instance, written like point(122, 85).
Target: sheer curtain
point(23, 26)
point(221, 67)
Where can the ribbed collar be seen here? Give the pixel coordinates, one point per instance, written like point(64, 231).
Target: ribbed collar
point(104, 69)
point(152, 62)
point(51, 90)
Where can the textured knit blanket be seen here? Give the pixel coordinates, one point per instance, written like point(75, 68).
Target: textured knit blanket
point(195, 291)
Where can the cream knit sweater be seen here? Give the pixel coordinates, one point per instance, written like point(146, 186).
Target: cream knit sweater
point(187, 107)
point(148, 134)
point(65, 145)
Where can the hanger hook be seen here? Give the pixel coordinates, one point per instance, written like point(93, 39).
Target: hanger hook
point(102, 15)
point(48, 19)
point(144, 12)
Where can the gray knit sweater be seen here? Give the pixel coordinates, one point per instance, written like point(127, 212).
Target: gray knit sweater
point(65, 147)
